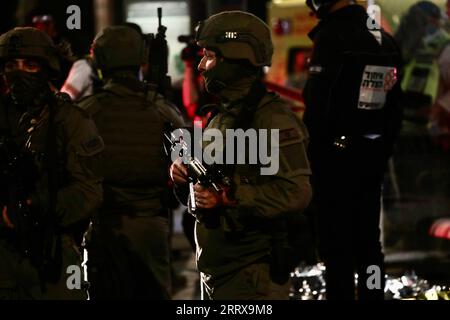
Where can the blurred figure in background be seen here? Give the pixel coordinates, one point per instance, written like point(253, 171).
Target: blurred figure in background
point(298, 71)
point(194, 94)
point(353, 117)
point(46, 23)
point(426, 79)
point(447, 12)
point(84, 78)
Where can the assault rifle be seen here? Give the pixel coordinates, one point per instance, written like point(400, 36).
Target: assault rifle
point(207, 176)
point(17, 175)
point(158, 56)
point(32, 228)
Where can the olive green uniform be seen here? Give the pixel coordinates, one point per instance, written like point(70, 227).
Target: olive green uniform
point(61, 146)
point(130, 241)
point(234, 258)
point(78, 194)
point(129, 247)
point(243, 250)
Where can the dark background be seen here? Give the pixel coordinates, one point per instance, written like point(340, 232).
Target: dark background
point(20, 13)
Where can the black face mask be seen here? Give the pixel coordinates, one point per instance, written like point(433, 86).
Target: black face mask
point(224, 74)
point(27, 89)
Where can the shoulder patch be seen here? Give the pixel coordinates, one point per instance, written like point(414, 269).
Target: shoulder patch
point(92, 145)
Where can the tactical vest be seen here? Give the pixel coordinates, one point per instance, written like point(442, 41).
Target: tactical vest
point(284, 232)
point(133, 162)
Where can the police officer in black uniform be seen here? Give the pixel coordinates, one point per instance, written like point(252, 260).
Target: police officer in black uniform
point(353, 116)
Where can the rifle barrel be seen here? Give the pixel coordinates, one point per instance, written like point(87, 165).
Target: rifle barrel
point(159, 15)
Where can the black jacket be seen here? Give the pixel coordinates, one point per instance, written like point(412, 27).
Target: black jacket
point(350, 91)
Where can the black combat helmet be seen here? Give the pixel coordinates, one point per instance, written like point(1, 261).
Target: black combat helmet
point(119, 47)
point(29, 43)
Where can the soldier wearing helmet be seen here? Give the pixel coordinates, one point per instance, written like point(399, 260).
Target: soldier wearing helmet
point(129, 248)
point(242, 234)
point(353, 117)
point(48, 190)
